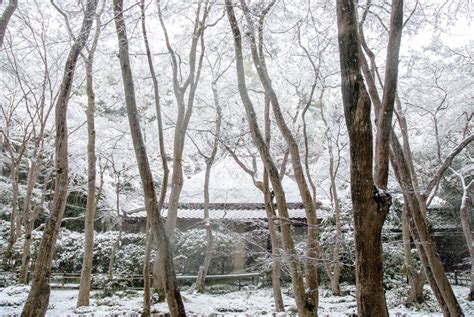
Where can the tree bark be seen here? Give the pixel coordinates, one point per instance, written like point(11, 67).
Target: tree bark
point(28, 221)
point(86, 272)
point(38, 298)
point(371, 202)
point(466, 205)
point(5, 18)
point(271, 217)
point(292, 257)
point(164, 163)
point(14, 230)
point(175, 303)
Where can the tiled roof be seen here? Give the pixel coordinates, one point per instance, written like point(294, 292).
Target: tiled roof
point(228, 211)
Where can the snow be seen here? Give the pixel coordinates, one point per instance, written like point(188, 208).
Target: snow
point(249, 301)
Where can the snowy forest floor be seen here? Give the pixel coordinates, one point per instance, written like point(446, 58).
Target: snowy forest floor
point(251, 301)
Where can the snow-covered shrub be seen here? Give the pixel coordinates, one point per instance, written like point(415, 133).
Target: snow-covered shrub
point(69, 251)
point(190, 248)
point(128, 260)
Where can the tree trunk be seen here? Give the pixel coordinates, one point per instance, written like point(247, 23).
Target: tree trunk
point(185, 110)
point(309, 206)
point(14, 216)
point(271, 217)
point(38, 298)
point(164, 183)
point(5, 18)
point(201, 278)
point(466, 205)
point(146, 273)
point(370, 200)
point(28, 221)
point(292, 257)
point(86, 272)
point(430, 259)
point(415, 280)
point(115, 249)
point(175, 303)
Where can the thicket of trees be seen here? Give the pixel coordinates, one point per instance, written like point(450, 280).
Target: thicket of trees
point(361, 103)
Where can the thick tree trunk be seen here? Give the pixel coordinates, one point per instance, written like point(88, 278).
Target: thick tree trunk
point(175, 303)
point(370, 201)
point(38, 298)
point(292, 257)
point(5, 18)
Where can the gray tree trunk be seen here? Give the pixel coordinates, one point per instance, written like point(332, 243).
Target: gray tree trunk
point(292, 257)
point(175, 303)
point(5, 18)
point(86, 272)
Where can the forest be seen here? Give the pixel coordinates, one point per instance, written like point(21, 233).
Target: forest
point(236, 158)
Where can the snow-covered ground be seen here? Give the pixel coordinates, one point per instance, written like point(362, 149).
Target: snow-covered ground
point(248, 302)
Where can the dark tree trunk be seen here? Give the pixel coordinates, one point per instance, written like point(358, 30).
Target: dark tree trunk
point(370, 201)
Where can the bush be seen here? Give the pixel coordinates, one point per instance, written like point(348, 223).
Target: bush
point(190, 249)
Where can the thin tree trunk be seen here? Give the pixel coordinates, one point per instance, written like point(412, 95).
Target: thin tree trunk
point(416, 280)
point(201, 278)
point(175, 303)
point(86, 272)
point(466, 205)
point(309, 206)
point(28, 220)
point(157, 280)
point(14, 216)
point(292, 257)
point(185, 109)
point(439, 282)
point(272, 227)
point(5, 18)
point(38, 298)
point(146, 272)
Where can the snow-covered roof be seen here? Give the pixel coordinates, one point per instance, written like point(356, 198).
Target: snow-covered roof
point(233, 195)
point(229, 211)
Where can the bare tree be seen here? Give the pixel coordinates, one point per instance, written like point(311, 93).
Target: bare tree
point(185, 108)
point(175, 302)
point(38, 298)
point(5, 18)
point(304, 307)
